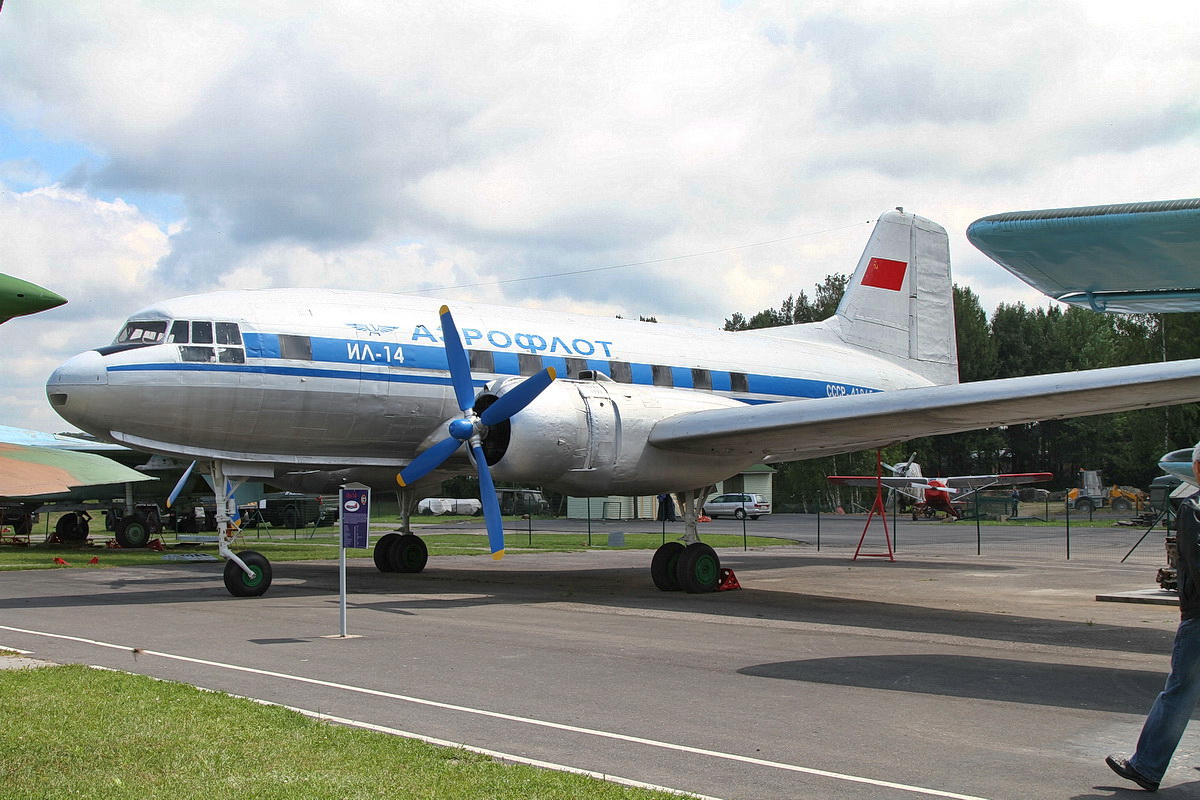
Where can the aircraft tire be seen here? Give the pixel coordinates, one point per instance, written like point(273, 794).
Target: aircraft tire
point(71, 528)
point(408, 554)
point(699, 569)
point(381, 551)
point(663, 567)
point(133, 531)
point(240, 584)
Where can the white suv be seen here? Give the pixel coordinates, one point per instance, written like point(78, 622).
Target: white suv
point(738, 506)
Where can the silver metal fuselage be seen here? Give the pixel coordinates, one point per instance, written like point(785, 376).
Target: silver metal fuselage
point(327, 379)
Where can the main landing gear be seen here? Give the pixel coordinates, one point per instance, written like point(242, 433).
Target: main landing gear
point(402, 551)
point(690, 564)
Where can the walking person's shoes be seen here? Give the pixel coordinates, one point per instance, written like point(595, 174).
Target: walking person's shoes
point(1122, 767)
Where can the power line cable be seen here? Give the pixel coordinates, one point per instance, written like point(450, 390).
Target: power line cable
point(634, 263)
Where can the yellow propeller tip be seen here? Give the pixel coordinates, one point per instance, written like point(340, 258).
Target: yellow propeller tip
point(551, 372)
point(400, 481)
point(444, 310)
point(499, 554)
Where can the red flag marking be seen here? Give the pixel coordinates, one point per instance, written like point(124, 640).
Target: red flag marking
point(884, 273)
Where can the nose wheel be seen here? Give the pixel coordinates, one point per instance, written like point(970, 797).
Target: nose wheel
point(254, 583)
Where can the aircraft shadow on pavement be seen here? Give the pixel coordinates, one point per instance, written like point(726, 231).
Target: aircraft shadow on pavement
point(1076, 686)
point(601, 586)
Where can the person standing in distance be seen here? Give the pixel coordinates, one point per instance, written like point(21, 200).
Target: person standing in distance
point(1173, 707)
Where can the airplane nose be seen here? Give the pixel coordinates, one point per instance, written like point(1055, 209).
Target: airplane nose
point(70, 386)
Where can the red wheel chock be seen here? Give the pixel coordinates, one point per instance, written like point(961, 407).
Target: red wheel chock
point(728, 580)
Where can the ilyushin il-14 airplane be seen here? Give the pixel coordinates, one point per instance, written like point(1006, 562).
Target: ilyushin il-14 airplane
point(295, 386)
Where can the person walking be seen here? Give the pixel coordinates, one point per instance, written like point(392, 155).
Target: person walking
point(1173, 707)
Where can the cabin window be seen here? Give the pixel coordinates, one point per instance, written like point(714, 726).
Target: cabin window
point(202, 333)
point(482, 361)
point(620, 371)
point(529, 363)
point(701, 379)
point(739, 382)
point(297, 347)
point(575, 366)
point(661, 375)
point(228, 333)
point(179, 332)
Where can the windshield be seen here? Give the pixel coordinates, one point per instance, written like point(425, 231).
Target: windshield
point(142, 332)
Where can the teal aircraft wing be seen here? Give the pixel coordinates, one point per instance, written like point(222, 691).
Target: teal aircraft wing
point(19, 297)
point(1131, 258)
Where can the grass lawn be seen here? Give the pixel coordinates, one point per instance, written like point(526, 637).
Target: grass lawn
point(323, 544)
point(72, 731)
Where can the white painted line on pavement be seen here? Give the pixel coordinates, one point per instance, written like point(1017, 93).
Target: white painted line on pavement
point(511, 717)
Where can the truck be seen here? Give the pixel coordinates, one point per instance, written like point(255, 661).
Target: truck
point(1092, 494)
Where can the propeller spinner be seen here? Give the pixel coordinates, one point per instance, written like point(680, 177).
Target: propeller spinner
point(471, 427)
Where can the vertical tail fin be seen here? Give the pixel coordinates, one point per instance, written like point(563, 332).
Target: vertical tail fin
point(900, 301)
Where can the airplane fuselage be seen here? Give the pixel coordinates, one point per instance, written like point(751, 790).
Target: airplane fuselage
point(330, 378)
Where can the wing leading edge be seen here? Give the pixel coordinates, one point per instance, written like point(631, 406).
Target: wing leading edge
point(796, 430)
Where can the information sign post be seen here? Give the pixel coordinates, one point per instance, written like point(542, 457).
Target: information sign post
point(354, 508)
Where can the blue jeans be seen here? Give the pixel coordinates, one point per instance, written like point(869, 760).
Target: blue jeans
point(1173, 708)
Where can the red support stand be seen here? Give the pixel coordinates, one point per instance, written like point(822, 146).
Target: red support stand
point(876, 508)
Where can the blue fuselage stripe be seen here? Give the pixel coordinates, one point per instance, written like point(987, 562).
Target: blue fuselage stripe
point(399, 359)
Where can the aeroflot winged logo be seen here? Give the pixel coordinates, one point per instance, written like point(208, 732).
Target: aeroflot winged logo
point(884, 273)
point(373, 330)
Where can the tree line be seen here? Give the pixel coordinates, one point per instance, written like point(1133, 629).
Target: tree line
point(1015, 341)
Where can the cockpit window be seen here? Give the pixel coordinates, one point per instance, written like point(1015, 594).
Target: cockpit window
point(144, 332)
point(202, 333)
point(228, 333)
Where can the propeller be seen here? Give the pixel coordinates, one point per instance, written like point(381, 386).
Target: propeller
point(187, 473)
point(471, 427)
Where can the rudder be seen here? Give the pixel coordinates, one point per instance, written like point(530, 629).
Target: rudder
point(899, 303)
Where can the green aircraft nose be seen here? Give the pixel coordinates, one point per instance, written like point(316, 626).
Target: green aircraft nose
point(18, 298)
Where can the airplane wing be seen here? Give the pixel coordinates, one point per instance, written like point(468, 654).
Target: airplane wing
point(802, 429)
point(985, 481)
point(1131, 258)
point(38, 471)
point(869, 480)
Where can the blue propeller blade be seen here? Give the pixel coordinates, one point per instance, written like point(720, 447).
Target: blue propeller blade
point(518, 397)
point(456, 358)
point(187, 473)
point(491, 506)
point(428, 461)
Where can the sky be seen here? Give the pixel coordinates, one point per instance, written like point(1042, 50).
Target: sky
point(151, 149)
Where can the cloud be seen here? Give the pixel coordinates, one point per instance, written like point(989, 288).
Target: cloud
point(407, 146)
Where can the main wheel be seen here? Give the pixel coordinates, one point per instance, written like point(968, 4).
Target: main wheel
point(739, 513)
point(239, 583)
point(663, 566)
point(699, 569)
point(291, 518)
point(381, 551)
point(133, 531)
point(408, 553)
point(71, 528)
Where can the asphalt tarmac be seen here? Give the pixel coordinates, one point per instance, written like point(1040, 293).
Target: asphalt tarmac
point(961, 676)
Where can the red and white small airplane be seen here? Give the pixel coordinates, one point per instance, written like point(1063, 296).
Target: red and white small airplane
point(933, 494)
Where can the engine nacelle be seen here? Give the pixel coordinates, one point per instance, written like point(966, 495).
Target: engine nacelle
point(589, 437)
